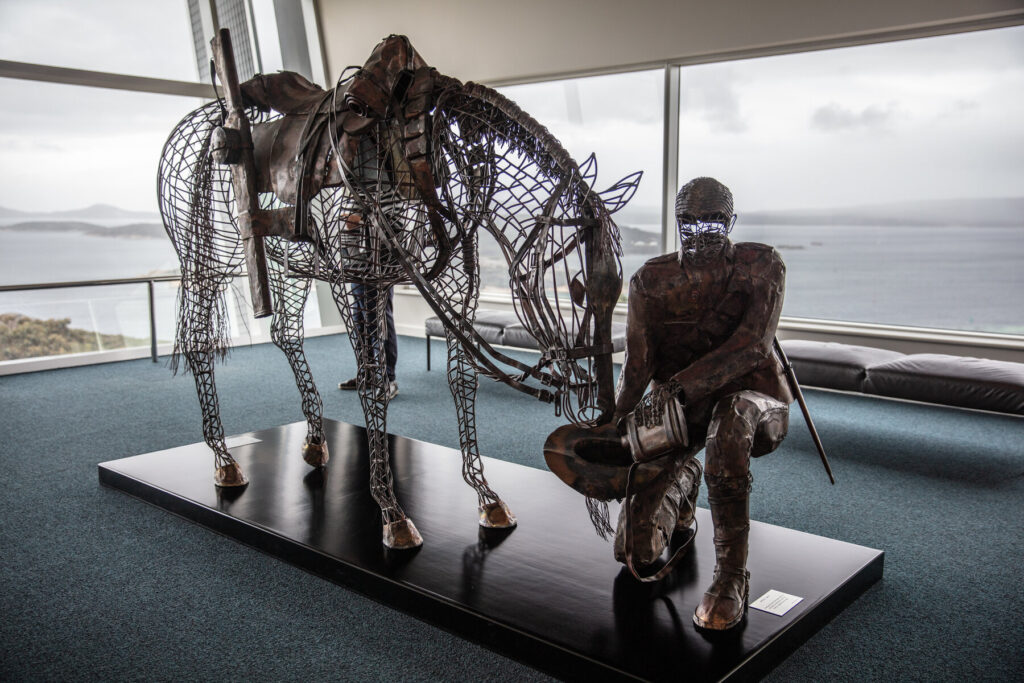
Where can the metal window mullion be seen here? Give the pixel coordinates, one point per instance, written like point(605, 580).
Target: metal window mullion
point(314, 41)
point(210, 20)
point(670, 157)
point(102, 79)
point(254, 41)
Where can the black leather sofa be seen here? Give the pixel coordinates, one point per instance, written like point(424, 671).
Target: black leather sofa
point(960, 381)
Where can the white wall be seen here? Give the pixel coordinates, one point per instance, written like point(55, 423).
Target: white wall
point(505, 40)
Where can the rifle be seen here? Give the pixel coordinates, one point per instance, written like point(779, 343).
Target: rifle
point(795, 386)
point(233, 143)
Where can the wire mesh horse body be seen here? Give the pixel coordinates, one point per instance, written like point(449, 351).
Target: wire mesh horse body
point(401, 192)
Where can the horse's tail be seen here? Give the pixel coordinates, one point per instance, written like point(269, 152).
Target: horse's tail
point(200, 227)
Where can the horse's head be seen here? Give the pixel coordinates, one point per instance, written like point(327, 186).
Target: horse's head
point(566, 281)
point(508, 175)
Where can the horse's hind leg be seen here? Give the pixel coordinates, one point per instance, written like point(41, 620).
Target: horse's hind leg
point(286, 331)
point(198, 344)
point(462, 380)
point(363, 312)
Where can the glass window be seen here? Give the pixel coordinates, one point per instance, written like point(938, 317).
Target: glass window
point(78, 202)
point(56, 322)
point(78, 182)
point(618, 118)
point(889, 176)
point(152, 38)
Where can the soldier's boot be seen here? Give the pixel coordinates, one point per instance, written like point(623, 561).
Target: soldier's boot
point(725, 601)
point(657, 510)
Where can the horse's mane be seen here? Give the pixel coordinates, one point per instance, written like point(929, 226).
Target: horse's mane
point(478, 107)
point(484, 114)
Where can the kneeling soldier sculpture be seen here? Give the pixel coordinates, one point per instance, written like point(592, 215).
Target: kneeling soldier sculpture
point(701, 327)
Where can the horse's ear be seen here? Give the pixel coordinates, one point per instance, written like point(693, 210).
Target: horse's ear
point(619, 194)
point(588, 170)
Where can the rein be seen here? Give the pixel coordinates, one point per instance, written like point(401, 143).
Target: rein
point(667, 568)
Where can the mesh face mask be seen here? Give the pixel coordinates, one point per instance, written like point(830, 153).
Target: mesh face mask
point(704, 219)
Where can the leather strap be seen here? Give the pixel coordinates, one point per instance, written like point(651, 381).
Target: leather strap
point(676, 556)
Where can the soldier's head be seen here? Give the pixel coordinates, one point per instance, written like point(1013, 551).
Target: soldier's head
point(704, 219)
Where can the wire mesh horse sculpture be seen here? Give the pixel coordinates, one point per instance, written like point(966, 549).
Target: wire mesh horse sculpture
point(390, 178)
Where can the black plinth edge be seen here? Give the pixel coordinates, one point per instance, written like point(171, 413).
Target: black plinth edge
point(427, 607)
point(575, 617)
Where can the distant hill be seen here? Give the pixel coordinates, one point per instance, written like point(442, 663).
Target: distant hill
point(994, 211)
point(25, 337)
point(130, 231)
point(95, 212)
point(635, 241)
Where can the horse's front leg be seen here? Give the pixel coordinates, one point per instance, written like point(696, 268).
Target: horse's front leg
point(462, 380)
point(363, 312)
point(286, 331)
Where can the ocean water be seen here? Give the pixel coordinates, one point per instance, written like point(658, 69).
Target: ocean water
point(966, 278)
point(33, 257)
point(960, 278)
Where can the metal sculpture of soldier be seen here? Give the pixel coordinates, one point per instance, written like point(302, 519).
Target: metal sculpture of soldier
point(701, 325)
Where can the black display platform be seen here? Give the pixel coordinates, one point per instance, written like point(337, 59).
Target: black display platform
point(548, 593)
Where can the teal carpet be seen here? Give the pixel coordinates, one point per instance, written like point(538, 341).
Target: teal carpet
point(95, 585)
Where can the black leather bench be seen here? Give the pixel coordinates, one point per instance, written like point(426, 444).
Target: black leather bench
point(960, 381)
point(502, 328)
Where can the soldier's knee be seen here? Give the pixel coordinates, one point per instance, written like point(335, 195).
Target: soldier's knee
point(771, 430)
point(733, 415)
point(731, 436)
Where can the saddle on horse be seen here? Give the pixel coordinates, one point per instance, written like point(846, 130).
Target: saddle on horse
point(295, 156)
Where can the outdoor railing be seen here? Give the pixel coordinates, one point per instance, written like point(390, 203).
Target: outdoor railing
point(989, 345)
point(150, 282)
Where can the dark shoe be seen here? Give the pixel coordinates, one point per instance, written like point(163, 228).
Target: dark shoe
point(349, 384)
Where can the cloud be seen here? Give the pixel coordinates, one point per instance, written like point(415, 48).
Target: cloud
point(835, 117)
point(16, 144)
point(712, 93)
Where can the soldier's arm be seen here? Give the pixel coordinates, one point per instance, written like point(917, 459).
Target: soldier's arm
point(750, 345)
point(637, 368)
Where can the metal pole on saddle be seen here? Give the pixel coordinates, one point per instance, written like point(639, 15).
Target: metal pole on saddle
point(232, 144)
point(795, 386)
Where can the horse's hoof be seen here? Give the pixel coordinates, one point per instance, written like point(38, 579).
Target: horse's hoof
point(402, 535)
point(496, 516)
point(229, 475)
point(315, 454)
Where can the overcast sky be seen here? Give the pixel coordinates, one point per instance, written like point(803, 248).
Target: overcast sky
point(923, 119)
point(66, 147)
